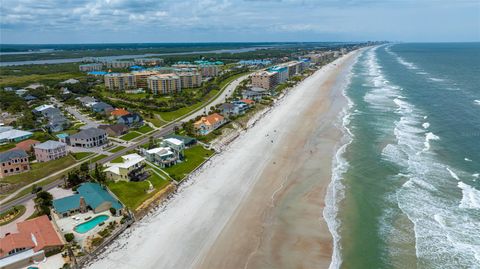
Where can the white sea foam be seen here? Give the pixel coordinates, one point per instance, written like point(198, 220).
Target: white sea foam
point(476, 175)
point(409, 65)
point(470, 196)
point(467, 159)
point(428, 137)
point(436, 79)
point(477, 102)
point(440, 226)
point(453, 174)
point(425, 125)
point(335, 191)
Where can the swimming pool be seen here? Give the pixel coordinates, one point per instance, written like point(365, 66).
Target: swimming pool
point(88, 225)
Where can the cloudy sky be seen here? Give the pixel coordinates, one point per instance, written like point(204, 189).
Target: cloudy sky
point(112, 21)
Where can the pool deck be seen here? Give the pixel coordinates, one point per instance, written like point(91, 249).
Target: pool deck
point(67, 225)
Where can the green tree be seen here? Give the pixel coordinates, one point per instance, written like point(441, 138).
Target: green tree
point(69, 237)
point(43, 202)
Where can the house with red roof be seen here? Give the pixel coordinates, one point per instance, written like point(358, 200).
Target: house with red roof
point(118, 112)
point(34, 239)
point(209, 123)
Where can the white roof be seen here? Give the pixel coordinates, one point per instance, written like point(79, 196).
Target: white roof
point(128, 161)
point(161, 151)
point(43, 107)
point(174, 141)
point(12, 134)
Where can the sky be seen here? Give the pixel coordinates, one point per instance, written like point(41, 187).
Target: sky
point(122, 21)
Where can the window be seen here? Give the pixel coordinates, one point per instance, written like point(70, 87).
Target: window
point(17, 169)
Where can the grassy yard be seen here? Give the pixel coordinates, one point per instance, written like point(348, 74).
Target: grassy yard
point(81, 155)
point(6, 147)
point(116, 149)
point(131, 135)
point(133, 194)
point(12, 214)
point(194, 156)
point(38, 171)
point(145, 129)
point(97, 158)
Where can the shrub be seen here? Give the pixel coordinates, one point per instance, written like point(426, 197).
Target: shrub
point(113, 211)
point(69, 237)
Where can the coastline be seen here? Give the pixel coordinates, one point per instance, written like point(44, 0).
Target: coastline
point(242, 195)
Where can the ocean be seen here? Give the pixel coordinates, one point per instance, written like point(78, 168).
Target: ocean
point(406, 186)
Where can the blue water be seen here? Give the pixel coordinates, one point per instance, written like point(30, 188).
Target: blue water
point(88, 225)
point(411, 184)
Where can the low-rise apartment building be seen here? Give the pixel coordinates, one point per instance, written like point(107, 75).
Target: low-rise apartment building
point(50, 150)
point(209, 70)
point(149, 61)
point(164, 84)
point(119, 64)
point(120, 81)
point(13, 162)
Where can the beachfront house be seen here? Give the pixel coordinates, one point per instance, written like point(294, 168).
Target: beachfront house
point(50, 150)
point(176, 145)
point(132, 168)
point(209, 123)
point(163, 156)
point(90, 196)
point(34, 240)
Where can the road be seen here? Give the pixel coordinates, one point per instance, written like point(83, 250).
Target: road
point(163, 131)
point(88, 122)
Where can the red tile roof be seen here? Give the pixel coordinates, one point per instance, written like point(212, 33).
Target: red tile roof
point(27, 144)
point(247, 101)
point(118, 112)
point(210, 119)
point(36, 233)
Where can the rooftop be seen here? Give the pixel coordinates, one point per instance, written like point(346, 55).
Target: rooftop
point(88, 133)
point(50, 144)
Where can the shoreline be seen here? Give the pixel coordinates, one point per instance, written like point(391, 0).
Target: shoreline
point(187, 230)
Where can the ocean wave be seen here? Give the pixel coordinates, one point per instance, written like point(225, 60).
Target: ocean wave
point(429, 137)
point(477, 102)
point(437, 79)
point(440, 241)
point(335, 190)
point(467, 159)
point(470, 196)
point(453, 174)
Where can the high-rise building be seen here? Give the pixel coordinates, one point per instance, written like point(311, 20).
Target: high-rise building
point(164, 84)
point(265, 79)
point(90, 67)
point(141, 77)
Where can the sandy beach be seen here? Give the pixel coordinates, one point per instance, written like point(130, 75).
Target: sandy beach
point(259, 203)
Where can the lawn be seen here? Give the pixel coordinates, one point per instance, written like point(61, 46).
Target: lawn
point(97, 158)
point(6, 147)
point(12, 214)
point(131, 135)
point(116, 149)
point(133, 194)
point(38, 171)
point(194, 156)
point(81, 155)
point(145, 129)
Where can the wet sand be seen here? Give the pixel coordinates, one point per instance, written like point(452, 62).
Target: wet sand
point(258, 204)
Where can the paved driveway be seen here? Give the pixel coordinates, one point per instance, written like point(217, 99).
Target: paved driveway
point(79, 116)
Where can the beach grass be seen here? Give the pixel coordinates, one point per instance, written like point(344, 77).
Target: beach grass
point(194, 156)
